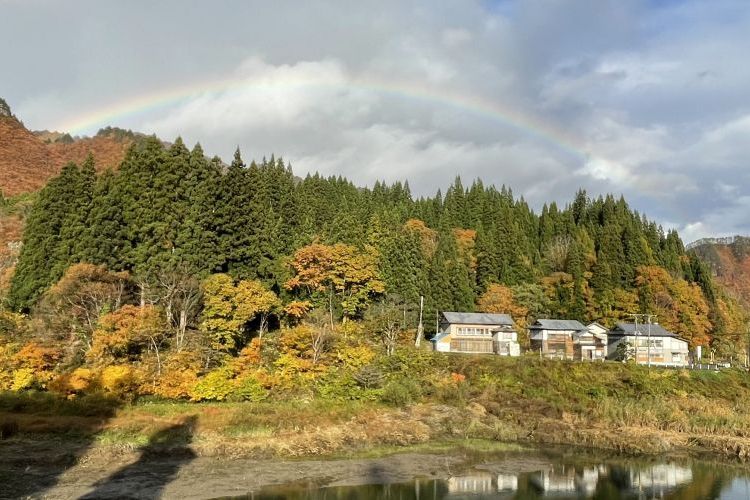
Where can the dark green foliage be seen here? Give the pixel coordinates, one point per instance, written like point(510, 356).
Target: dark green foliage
point(52, 228)
point(5, 109)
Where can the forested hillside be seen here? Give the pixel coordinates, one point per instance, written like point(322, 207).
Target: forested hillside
point(171, 212)
point(730, 264)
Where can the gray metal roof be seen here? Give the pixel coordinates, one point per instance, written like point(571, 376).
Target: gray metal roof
point(557, 324)
point(629, 329)
point(477, 318)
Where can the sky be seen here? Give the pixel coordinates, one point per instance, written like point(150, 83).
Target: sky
point(645, 98)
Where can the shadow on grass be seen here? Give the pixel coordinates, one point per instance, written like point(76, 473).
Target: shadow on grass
point(161, 459)
point(43, 435)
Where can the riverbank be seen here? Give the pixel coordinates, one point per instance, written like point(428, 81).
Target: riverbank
point(459, 465)
point(481, 401)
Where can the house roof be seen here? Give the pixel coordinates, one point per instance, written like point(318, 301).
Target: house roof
point(557, 324)
point(629, 329)
point(598, 325)
point(477, 318)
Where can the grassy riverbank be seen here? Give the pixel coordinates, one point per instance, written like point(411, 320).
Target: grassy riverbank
point(610, 406)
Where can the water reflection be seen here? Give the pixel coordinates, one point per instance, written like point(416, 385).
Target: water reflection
point(561, 480)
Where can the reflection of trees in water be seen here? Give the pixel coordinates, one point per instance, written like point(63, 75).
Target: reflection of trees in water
point(31, 467)
point(161, 459)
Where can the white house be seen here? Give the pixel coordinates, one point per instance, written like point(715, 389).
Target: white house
point(647, 344)
point(477, 333)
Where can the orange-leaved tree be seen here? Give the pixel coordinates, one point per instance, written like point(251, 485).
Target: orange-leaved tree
point(85, 292)
point(499, 299)
point(125, 334)
point(341, 271)
point(679, 306)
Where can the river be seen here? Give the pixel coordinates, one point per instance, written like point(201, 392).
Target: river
point(564, 475)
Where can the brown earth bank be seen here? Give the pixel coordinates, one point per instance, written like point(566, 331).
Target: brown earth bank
point(208, 452)
point(27, 162)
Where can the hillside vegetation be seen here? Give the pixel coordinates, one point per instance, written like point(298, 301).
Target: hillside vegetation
point(730, 264)
point(420, 398)
point(28, 160)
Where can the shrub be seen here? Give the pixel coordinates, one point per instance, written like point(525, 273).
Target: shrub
point(354, 356)
point(340, 385)
point(369, 377)
point(71, 384)
point(401, 392)
point(215, 386)
point(178, 376)
point(23, 378)
point(249, 388)
point(119, 379)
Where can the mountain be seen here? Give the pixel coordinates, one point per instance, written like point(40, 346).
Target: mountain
point(729, 261)
point(28, 160)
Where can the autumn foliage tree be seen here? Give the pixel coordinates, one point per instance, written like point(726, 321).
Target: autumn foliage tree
point(84, 293)
point(126, 333)
point(230, 306)
point(337, 271)
point(679, 306)
point(499, 299)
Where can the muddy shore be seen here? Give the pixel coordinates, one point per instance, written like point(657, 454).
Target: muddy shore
point(52, 470)
point(183, 475)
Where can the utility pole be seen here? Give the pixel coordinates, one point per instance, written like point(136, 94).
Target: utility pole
point(420, 328)
point(649, 338)
point(635, 332)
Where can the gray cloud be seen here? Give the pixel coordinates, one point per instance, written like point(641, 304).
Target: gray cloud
point(644, 98)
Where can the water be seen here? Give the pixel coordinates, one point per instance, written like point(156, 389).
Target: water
point(556, 476)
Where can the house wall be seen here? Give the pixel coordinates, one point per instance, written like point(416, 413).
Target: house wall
point(473, 338)
point(665, 351)
point(553, 343)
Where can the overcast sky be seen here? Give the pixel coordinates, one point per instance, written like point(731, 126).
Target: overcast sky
point(646, 98)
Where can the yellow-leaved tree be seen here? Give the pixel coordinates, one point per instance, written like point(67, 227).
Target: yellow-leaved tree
point(229, 306)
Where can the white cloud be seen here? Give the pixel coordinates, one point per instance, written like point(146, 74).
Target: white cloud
point(653, 96)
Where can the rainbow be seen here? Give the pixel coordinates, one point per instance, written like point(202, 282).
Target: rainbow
point(492, 110)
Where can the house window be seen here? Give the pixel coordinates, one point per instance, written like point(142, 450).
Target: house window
point(655, 343)
point(472, 331)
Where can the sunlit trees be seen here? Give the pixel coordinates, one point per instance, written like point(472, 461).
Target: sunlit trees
point(680, 306)
point(125, 334)
point(229, 307)
point(85, 292)
point(340, 272)
point(500, 299)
